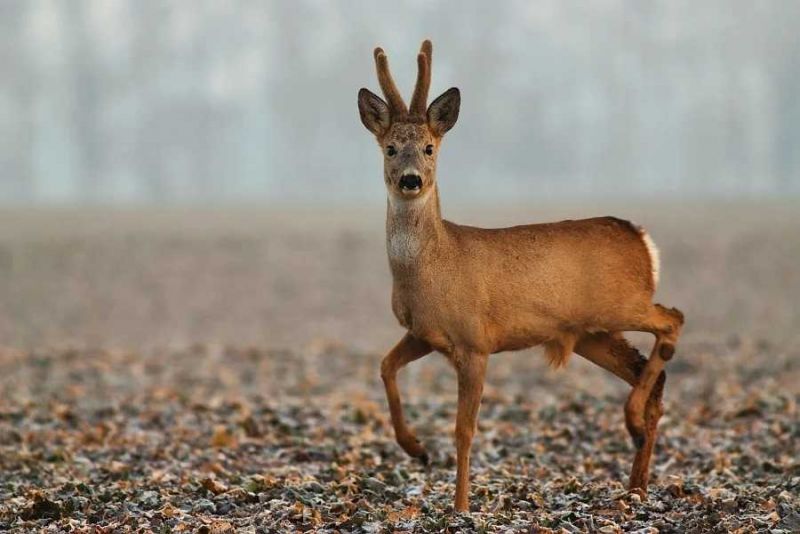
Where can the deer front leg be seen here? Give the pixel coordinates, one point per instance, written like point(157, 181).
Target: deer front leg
point(407, 350)
point(471, 370)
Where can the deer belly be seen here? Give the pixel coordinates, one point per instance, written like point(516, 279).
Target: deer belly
point(508, 337)
point(521, 326)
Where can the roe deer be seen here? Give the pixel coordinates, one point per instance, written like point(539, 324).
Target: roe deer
point(572, 286)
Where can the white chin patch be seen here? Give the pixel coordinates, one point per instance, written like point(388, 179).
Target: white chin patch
point(410, 193)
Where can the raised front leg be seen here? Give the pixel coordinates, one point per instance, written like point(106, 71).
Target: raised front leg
point(471, 370)
point(407, 350)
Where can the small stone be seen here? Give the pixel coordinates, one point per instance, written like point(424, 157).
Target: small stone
point(729, 505)
point(222, 438)
point(42, 508)
point(372, 483)
point(791, 522)
point(374, 526)
point(149, 499)
point(204, 506)
point(214, 486)
point(414, 491)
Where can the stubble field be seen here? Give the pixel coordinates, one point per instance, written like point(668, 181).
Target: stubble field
point(217, 370)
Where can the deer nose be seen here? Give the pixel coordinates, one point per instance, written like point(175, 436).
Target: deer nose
point(410, 182)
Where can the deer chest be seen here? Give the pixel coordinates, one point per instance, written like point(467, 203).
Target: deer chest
point(429, 315)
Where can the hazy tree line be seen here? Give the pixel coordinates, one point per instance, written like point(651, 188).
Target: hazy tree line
point(195, 101)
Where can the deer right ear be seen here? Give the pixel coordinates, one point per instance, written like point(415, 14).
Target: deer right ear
point(374, 112)
point(443, 112)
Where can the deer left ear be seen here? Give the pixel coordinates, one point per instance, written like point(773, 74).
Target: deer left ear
point(374, 112)
point(443, 112)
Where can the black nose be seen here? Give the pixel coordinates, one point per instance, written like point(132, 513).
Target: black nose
point(410, 181)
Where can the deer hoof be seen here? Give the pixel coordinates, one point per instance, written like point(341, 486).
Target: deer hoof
point(639, 492)
point(423, 458)
point(413, 447)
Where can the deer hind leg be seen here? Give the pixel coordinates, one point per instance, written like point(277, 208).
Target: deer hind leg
point(654, 409)
point(613, 353)
point(406, 351)
point(665, 324)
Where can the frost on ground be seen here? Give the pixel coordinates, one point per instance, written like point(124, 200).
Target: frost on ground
point(256, 434)
point(231, 440)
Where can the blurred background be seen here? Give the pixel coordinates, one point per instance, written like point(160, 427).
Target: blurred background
point(152, 101)
point(179, 172)
point(194, 282)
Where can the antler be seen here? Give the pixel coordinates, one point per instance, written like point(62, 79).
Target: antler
point(397, 108)
point(419, 101)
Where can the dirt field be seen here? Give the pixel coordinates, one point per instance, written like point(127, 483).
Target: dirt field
point(213, 371)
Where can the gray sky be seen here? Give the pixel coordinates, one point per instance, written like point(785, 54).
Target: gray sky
point(122, 101)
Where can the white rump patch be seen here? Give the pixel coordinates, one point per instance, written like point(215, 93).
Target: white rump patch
point(655, 259)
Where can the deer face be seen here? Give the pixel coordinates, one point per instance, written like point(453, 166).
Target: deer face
point(409, 138)
point(409, 159)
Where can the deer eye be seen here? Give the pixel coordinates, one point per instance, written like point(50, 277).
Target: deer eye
point(391, 150)
point(429, 150)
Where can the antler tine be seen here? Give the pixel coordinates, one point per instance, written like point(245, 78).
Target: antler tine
point(419, 101)
point(396, 104)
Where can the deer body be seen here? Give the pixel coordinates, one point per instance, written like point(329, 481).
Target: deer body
point(469, 292)
point(494, 290)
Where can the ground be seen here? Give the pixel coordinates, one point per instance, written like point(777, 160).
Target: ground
point(217, 371)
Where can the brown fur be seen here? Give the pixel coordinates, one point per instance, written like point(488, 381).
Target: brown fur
point(469, 292)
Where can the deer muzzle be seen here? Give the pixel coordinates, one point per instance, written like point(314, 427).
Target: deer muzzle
point(410, 184)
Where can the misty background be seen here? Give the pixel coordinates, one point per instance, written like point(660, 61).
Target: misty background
point(128, 102)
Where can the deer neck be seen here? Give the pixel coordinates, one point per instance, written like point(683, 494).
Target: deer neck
point(413, 229)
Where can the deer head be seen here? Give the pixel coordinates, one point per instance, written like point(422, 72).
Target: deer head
point(409, 137)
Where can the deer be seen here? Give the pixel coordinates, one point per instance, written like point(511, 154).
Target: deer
point(468, 292)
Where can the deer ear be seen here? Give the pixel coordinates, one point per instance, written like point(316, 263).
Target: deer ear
point(374, 112)
point(443, 112)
